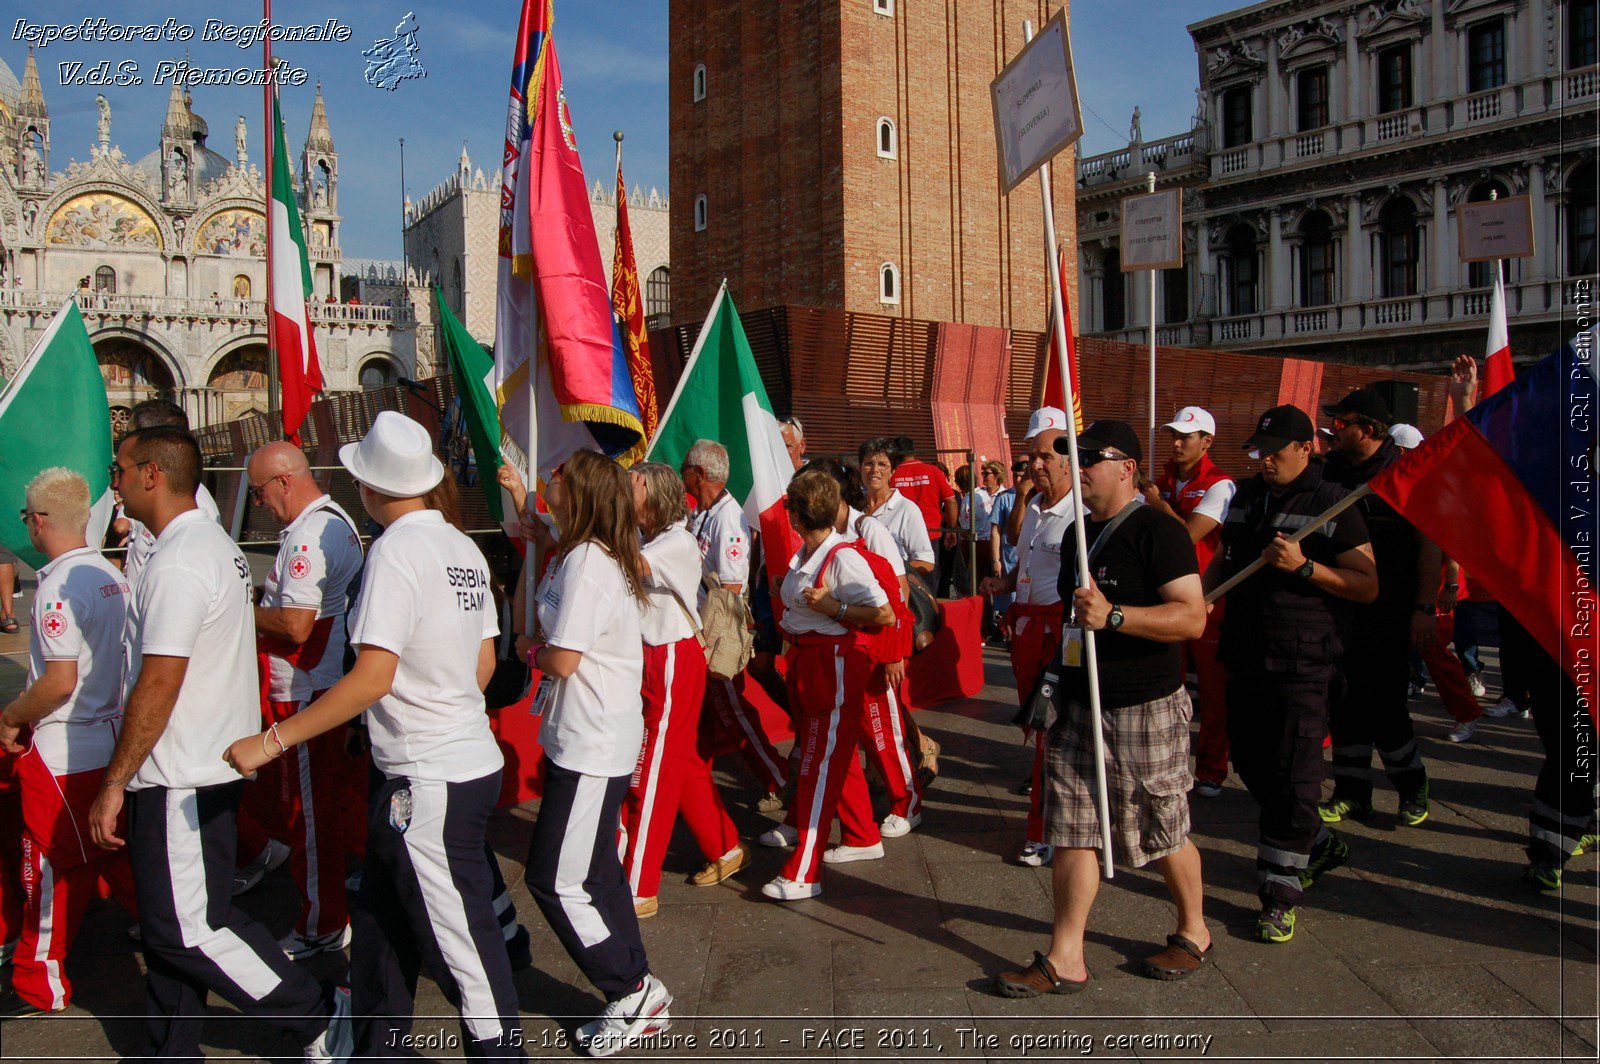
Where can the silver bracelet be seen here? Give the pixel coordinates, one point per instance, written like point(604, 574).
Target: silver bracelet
point(843, 609)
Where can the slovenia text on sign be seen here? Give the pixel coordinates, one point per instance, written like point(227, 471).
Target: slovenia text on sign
point(1036, 104)
point(1495, 229)
point(1152, 231)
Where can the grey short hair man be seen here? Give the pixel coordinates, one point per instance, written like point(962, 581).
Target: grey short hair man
point(711, 459)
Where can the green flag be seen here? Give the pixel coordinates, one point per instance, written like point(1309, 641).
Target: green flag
point(54, 413)
point(470, 364)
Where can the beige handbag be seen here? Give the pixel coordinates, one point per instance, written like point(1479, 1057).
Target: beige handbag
point(726, 634)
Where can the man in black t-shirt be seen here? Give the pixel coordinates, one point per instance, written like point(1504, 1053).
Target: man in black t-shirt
point(1142, 600)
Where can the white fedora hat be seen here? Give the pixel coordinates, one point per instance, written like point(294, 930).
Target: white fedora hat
point(395, 457)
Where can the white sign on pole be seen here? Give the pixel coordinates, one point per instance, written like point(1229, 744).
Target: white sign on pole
point(1495, 229)
point(1036, 104)
point(1152, 231)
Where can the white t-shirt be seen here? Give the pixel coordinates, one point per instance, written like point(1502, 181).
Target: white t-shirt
point(319, 554)
point(1039, 550)
point(193, 601)
point(1215, 502)
point(877, 539)
point(901, 518)
point(674, 559)
point(848, 578)
point(984, 502)
point(426, 598)
point(141, 544)
point(593, 719)
point(724, 537)
point(80, 613)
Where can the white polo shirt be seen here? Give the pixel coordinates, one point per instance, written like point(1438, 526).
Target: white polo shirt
point(848, 578)
point(193, 601)
point(426, 598)
point(319, 555)
point(724, 538)
point(80, 613)
point(1039, 550)
point(901, 518)
point(141, 544)
point(875, 538)
point(1214, 502)
point(593, 719)
point(674, 559)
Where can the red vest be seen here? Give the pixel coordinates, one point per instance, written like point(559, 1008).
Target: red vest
point(1206, 475)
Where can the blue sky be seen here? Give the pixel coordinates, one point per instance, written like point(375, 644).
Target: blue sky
point(613, 57)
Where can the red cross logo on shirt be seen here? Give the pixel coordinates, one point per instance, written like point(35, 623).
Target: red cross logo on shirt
point(299, 567)
point(55, 625)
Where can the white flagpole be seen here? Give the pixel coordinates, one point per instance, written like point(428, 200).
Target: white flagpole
point(1151, 187)
point(530, 574)
point(1091, 662)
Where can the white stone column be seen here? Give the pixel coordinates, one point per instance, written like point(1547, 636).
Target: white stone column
point(1357, 284)
point(1354, 68)
point(1277, 264)
point(1205, 272)
point(1544, 232)
point(1440, 271)
point(1442, 76)
point(1138, 298)
point(1273, 98)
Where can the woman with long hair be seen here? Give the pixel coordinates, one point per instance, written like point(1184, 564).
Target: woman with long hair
point(671, 777)
point(828, 594)
point(590, 606)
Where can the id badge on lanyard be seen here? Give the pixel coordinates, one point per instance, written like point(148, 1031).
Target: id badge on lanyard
point(547, 684)
point(1072, 646)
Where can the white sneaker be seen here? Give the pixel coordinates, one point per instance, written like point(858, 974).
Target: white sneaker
point(1462, 732)
point(1503, 708)
point(1208, 789)
point(779, 837)
point(269, 859)
point(336, 1044)
point(782, 889)
point(845, 854)
point(1475, 684)
point(1036, 854)
point(627, 1020)
point(894, 826)
point(298, 947)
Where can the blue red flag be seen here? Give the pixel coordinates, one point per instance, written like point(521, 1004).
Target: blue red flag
point(1509, 491)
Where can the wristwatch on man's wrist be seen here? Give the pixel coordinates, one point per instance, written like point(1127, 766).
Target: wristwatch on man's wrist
point(1305, 571)
point(1114, 619)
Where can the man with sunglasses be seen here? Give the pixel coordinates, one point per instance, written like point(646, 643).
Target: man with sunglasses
point(1371, 710)
point(137, 538)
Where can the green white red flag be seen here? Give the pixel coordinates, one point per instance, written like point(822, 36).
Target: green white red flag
point(299, 373)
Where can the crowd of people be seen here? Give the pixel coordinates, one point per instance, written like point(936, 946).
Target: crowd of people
point(349, 687)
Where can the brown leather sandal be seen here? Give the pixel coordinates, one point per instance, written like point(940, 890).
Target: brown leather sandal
point(1179, 960)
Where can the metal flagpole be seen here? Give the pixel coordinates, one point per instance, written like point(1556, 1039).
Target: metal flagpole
point(1091, 662)
point(405, 259)
point(269, 93)
point(1151, 187)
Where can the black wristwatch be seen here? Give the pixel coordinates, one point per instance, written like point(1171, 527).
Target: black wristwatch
point(1114, 619)
point(1305, 571)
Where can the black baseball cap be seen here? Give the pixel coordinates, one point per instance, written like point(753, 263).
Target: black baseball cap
point(1363, 403)
point(1103, 434)
point(1278, 428)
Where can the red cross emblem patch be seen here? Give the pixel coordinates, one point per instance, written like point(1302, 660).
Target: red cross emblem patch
point(55, 624)
point(299, 567)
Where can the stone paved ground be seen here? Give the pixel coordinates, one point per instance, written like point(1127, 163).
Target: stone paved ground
point(1424, 949)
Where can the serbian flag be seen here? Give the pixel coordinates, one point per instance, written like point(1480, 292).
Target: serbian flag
point(629, 310)
point(720, 397)
point(1497, 368)
point(299, 373)
point(1509, 491)
point(1052, 373)
point(557, 347)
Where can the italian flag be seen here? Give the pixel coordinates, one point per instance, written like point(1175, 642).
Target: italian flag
point(720, 397)
point(1497, 369)
point(299, 374)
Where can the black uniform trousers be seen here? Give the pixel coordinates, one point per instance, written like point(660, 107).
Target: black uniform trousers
point(183, 844)
point(427, 897)
point(576, 878)
point(1276, 724)
point(1371, 709)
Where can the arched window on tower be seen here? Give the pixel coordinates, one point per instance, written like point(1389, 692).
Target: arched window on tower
point(1397, 248)
point(1113, 292)
point(699, 214)
point(889, 283)
point(1316, 260)
point(105, 281)
point(699, 83)
point(888, 139)
point(378, 373)
point(456, 286)
point(658, 292)
point(1243, 273)
point(1580, 212)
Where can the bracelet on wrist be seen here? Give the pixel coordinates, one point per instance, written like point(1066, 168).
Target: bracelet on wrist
point(272, 730)
point(843, 609)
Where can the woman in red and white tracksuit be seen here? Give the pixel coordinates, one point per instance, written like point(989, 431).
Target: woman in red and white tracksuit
point(671, 776)
point(828, 592)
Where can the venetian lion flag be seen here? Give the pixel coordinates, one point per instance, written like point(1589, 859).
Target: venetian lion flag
point(557, 347)
point(54, 413)
point(299, 373)
point(1497, 368)
point(720, 397)
point(627, 305)
point(1052, 373)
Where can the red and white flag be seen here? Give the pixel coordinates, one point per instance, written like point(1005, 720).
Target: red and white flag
point(1497, 369)
point(299, 374)
point(1052, 360)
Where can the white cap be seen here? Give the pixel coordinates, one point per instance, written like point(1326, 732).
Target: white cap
point(1046, 417)
point(1405, 436)
point(1193, 419)
point(395, 457)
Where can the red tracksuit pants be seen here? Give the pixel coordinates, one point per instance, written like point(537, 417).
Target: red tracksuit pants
point(1035, 642)
point(828, 679)
point(885, 741)
point(1444, 669)
point(302, 799)
point(62, 871)
point(10, 851)
point(671, 776)
point(738, 722)
point(1211, 746)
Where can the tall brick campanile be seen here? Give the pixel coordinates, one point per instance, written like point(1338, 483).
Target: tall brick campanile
point(841, 154)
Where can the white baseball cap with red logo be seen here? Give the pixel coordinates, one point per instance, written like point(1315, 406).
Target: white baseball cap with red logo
point(1046, 417)
point(1193, 419)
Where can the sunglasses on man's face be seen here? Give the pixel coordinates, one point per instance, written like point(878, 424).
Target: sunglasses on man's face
point(1086, 459)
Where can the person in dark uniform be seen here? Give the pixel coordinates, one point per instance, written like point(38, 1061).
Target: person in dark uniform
point(1281, 638)
point(1371, 708)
